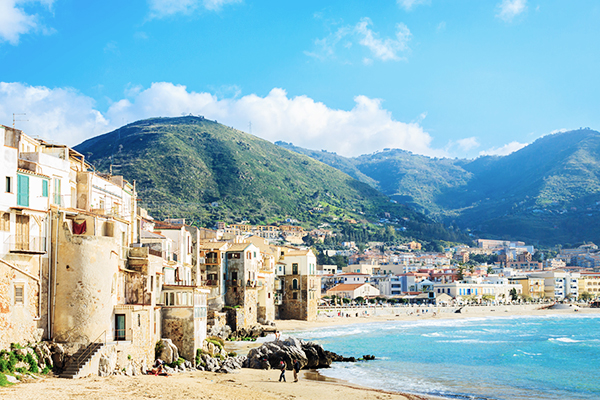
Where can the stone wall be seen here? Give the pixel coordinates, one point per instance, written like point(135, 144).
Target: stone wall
point(86, 286)
point(178, 325)
point(20, 323)
point(303, 307)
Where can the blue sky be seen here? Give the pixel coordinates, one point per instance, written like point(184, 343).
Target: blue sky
point(455, 78)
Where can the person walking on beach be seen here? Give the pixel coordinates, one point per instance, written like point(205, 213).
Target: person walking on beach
point(282, 368)
point(296, 370)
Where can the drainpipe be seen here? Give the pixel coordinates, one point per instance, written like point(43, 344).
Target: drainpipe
point(54, 274)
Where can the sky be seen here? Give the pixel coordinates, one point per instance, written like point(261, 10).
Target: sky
point(443, 78)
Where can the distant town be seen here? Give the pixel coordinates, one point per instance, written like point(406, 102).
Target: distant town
point(83, 265)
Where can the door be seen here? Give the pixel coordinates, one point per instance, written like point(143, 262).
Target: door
point(119, 327)
point(22, 233)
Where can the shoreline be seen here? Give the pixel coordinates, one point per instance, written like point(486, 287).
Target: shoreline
point(251, 384)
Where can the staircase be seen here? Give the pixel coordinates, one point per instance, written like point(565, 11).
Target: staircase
point(80, 360)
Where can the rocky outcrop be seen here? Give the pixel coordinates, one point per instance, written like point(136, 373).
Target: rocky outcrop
point(169, 353)
point(309, 354)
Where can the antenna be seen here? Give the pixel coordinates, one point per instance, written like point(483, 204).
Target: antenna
point(15, 120)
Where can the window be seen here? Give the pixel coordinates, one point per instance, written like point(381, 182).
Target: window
point(294, 269)
point(44, 188)
point(295, 296)
point(9, 184)
point(23, 190)
point(119, 326)
point(19, 293)
point(57, 192)
point(295, 284)
point(233, 256)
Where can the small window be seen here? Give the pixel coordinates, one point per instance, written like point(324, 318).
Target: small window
point(295, 284)
point(295, 296)
point(9, 187)
point(19, 293)
point(44, 188)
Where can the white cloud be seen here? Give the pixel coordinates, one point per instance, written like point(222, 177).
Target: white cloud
point(504, 150)
point(467, 144)
point(15, 21)
point(66, 116)
point(384, 49)
point(164, 8)
point(507, 10)
point(409, 4)
point(62, 115)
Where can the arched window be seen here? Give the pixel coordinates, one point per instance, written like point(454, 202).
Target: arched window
point(295, 284)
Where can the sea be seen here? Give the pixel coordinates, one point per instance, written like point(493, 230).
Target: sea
point(537, 357)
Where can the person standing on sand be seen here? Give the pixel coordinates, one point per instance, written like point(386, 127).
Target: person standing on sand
point(282, 368)
point(296, 370)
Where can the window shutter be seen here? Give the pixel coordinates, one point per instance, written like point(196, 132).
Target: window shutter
point(23, 190)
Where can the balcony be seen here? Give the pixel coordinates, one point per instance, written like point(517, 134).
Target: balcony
point(26, 244)
point(212, 282)
point(211, 260)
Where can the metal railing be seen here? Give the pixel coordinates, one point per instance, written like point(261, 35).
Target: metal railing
point(86, 353)
point(17, 243)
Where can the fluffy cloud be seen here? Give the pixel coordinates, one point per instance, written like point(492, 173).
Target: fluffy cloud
point(66, 116)
point(467, 144)
point(15, 21)
point(504, 150)
point(409, 4)
point(384, 49)
point(61, 115)
point(507, 10)
point(163, 8)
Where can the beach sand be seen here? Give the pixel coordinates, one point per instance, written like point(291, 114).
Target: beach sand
point(248, 384)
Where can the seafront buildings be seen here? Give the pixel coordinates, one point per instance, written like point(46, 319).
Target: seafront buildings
point(81, 264)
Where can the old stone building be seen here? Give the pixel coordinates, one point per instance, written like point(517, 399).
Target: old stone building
point(241, 270)
point(300, 286)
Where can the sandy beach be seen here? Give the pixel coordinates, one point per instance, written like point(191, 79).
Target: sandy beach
point(247, 384)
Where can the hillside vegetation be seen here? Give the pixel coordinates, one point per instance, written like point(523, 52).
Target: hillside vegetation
point(204, 171)
point(546, 192)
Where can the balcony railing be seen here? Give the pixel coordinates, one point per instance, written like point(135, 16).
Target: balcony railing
point(26, 244)
point(211, 260)
point(212, 282)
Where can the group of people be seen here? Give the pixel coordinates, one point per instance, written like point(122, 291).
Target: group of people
point(283, 366)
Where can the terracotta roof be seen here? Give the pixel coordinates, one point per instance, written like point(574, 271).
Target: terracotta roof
point(212, 245)
point(239, 247)
point(346, 287)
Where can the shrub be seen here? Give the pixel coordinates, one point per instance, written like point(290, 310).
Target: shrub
point(217, 341)
point(12, 361)
point(46, 370)
point(232, 354)
point(4, 381)
point(21, 370)
point(15, 346)
point(3, 365)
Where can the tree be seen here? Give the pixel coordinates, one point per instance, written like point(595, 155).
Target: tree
point(359, 299)
point(585, 296)
point(513, 294)
point(490, 270)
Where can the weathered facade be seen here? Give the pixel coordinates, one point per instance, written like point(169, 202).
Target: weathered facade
point(242, 266)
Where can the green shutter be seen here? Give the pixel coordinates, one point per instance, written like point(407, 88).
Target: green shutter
point(44, 188)
point(57, 191)
point(23, 190)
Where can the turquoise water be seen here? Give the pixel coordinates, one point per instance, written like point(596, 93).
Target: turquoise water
point(551, 357)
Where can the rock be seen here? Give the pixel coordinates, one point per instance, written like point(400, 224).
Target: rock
point(44, 355)
point(309, 354)
point(58, 355)
point(188, 365)
point(199, 367)
point(108, 363)
point(129, 369)
point(12, 379)
point(169, 353)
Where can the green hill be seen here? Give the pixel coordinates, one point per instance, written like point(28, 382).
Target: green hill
point(546, 192)
point(204, 171)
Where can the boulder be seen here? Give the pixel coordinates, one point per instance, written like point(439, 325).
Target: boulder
point(169, 353)
point(44, 355)
point(58, 355)
point(309, 354)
